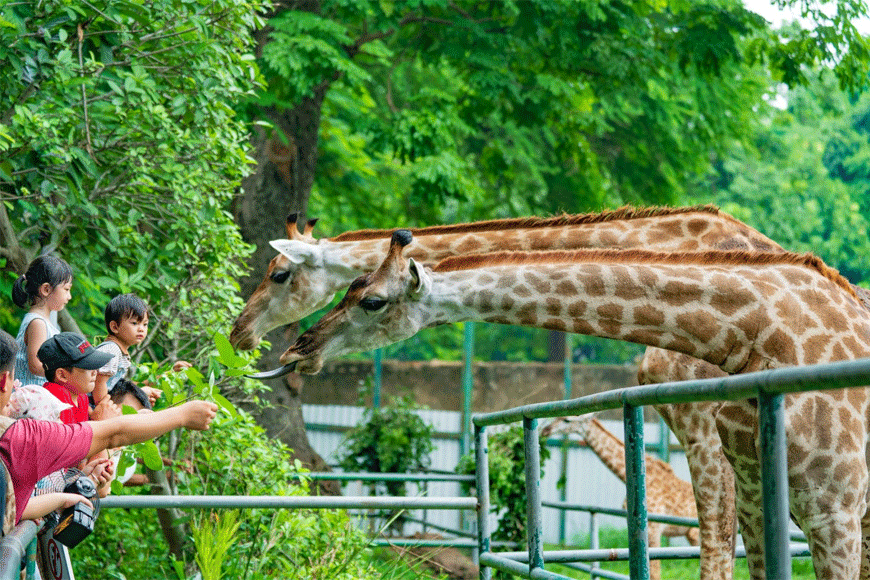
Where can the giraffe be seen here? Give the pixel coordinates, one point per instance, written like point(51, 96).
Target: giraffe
point(740, 311)
point(307, 273)
point(665, 492)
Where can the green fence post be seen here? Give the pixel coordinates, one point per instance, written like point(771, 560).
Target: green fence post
point(481, 451)
point(635, 478)
point(467, 387)
point(376, 394)
point(774, 484)
point(534, 533)
point(563, 476)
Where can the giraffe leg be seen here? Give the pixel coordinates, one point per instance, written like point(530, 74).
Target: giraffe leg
point(865, 546)
point(655, 541)
point(834, 534)
point(735, 424)
point(712, 483)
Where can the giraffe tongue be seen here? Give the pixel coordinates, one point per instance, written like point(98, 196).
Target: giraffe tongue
point(279, 372)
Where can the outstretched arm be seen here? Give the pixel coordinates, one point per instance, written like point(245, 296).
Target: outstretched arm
point(41, 505)
point(130, 429)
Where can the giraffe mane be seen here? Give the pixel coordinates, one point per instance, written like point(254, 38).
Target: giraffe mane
point(704, 258)
point(623, 213)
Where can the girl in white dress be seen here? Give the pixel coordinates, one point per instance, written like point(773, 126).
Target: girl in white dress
point(44, 289)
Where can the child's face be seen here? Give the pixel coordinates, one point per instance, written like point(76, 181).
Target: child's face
point(80, 381)
point(59, 296)
point(132, 330)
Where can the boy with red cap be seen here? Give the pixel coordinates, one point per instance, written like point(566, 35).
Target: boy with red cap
point(31, 449)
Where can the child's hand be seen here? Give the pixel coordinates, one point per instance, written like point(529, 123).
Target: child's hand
point(105, 409)
point(152, 393)
point(180, 366)
point(71, 499)
point(198, 414)
point(102, 473)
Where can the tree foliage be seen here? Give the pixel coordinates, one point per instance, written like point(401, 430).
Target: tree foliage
point(451, 111)
point(121, 150)
point(803, 179)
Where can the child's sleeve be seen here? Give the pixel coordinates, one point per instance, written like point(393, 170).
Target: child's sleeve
point(111, 367)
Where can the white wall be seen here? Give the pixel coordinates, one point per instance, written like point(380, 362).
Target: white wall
point(589, 482)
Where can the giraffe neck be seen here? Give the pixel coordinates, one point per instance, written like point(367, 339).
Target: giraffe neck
point(729, 312)
point(683, 229)
point(606, 446)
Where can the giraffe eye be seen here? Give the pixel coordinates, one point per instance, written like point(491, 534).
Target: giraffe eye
point(372, 304)
point(279, 277)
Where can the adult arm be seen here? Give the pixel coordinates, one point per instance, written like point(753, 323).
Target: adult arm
point(130, 429)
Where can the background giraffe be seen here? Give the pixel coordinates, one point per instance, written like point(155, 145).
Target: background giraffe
point(666, 494)
point(307, 273)
point(741, 311)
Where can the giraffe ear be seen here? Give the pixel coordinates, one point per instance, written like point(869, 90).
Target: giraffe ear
point(295, 251)
point(420, 280)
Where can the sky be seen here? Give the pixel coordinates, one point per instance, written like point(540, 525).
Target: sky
point(776, 16)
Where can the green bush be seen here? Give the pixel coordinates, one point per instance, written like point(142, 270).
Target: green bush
point(390, 439)
point(507, 485)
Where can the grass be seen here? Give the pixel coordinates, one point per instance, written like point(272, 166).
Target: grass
point(802, 568)
point(395, 567)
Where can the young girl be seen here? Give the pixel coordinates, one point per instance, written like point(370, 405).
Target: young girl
point(44, 288)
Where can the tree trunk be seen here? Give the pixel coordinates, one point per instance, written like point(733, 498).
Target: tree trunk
point(281, 184)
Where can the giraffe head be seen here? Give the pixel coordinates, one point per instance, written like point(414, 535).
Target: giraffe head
point(377, 310)
point(566, 426)
point(294, 286)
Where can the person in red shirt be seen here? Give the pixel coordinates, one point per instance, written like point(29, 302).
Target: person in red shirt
point(31, 449)
point(71, 365)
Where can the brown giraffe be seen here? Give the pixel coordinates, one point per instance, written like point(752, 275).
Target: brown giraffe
point(307, 273)
point(741, 311)
point(666, 494)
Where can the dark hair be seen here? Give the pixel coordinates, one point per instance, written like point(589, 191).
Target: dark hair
point(46, 268)
point(8, 351)
point(124, 306)
point(124, 386)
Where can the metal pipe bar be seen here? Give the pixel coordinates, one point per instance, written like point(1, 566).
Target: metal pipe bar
point(292, 501)
point(484, 541)
point(774, 484)
point(622, 554)
point(13, 548)
point(534, 533)
point(596, 572)
point(516, 568)
point(775, 381)
point(366, 476)
point(661, 518)
point(635, 479)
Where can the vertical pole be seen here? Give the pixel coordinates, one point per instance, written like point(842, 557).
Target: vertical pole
point(635, 479)
point(376, 395)
point(534, 534)
point(563, 476)
point(467, 386)
point(664, 441)
point(481, 452)
point(594, 540)
point(774, 484)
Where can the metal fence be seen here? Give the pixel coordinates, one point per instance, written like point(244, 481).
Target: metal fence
point(767, 386)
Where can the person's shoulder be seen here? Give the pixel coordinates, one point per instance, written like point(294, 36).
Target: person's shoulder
point(110, 347)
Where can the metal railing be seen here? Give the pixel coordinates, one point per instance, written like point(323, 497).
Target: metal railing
point(768, 387)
